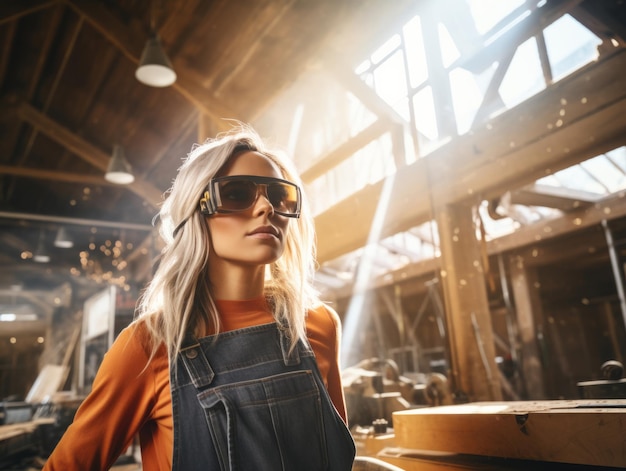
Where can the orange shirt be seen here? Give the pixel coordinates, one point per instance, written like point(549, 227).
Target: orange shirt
point(127, 399)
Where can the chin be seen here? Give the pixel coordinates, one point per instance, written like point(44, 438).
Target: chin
point(264, 258)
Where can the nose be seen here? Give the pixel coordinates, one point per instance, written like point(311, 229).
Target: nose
point(262, 203)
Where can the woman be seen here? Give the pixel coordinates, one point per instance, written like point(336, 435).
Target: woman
point(232, 362)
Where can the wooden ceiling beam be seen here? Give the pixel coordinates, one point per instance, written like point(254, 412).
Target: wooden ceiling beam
point(595, 17)
point(11, 10)
point(76, 221)
point(565, 199)
point(531, 25)
point(86, 151)
point(353, 83)
point(56, 18)
point(345, 150)
point(521, 239)
point(17, 243)
point(44, 51)
point(266, 19)
point(131, 46)
point(184, 129)
point(516, 148)
point(7, 45)
point(610, 208)
point(67, 177)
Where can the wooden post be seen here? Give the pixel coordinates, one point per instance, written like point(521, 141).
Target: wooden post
point(468, 319)
point(527, 308)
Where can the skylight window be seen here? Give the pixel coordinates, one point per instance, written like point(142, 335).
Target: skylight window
point(524, 77)
point(570, 46)
point(602, 175)
point(415, 49)
point(487, 13)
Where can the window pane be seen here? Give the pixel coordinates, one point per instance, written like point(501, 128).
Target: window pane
point(602, 169)
point(425, 120)
point(576, 177)
point(466, 98)
point(524, 77)
point(367, 166)
point(618, 157)
point(386, 49)
point(570, 46)
point(414, 43)
point(449, 51)
point(390, 83)
point(487, 13)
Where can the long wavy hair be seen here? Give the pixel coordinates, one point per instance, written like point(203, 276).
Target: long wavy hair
point(179, 300)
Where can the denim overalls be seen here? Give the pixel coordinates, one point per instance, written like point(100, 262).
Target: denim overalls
point(240, 402)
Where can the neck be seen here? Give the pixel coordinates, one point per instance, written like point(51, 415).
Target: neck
point(236, 282)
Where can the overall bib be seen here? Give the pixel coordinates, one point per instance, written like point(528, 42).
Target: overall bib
point(242, 403)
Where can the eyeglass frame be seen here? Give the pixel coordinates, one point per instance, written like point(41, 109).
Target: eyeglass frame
point(209, 205)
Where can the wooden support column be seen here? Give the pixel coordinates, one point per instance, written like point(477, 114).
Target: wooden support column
point(527, 309)
point(468, 319)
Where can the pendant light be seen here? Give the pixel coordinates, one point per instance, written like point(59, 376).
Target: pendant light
point(63, 239)
point(155, 68)
point(119, 171)
point(40, 255)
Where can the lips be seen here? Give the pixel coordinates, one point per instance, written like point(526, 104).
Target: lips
point(269, 230)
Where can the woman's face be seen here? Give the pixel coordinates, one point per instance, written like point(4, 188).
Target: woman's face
point(255, 236)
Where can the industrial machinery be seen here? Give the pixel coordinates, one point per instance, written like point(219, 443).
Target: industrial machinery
point(375, 389)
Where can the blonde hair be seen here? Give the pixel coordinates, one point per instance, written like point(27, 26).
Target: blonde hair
point(178, 300)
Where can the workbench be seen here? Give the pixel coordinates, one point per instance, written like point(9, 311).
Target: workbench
point(576, 434)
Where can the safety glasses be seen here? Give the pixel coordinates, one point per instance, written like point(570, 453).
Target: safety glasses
point(239, 192)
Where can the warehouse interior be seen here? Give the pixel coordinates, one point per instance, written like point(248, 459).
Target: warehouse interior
point(465, 161)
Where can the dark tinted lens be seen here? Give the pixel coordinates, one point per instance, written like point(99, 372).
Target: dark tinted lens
point(237, 195)
point(283, 197)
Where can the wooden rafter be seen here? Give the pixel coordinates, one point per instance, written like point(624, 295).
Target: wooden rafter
point(345, 150)
point(564, 199)
point(11, 10)
point(40, 174)
point(525, 236)
point(131, 45)
point(601, 23)
point(57, 76)
point(84, 150)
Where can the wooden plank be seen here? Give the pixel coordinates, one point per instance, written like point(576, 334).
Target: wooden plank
point(582, 432)
point(412, 460)
point(12, 430)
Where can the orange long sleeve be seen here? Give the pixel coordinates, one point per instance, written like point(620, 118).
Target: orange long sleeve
point(128, 398)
